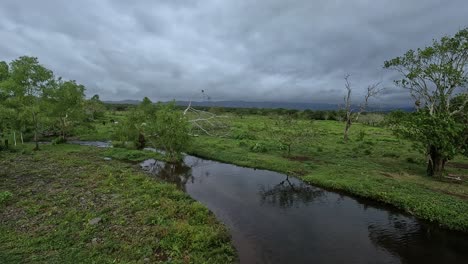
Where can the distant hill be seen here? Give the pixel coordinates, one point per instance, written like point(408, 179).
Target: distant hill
point(285, 105)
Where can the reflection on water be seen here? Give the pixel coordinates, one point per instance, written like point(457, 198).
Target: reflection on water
point(288, 194)
point(274, 218)
point(177, 173)
point(409, 239)
point(278, 219)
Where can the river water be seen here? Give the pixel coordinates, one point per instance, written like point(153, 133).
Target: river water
point(278, 219)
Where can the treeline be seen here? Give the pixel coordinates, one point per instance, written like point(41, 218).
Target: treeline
point(36, 103)
point(369, 118)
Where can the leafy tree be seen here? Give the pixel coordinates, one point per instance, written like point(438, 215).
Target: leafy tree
point(4, 73)
point(434, 76)
point(65, 105)
point(94, 108)
point(28, 79)
point(169, 129)
point(133, 127)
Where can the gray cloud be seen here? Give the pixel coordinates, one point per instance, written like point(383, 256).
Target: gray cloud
point(271, 50)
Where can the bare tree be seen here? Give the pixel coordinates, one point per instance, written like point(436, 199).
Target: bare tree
point(372, 91)
point(206, 122)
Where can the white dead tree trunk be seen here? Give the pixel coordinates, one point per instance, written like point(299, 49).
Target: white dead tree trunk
point(372, 91)
point(206, 122)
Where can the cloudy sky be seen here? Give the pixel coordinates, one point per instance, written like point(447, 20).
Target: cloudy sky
point(270, 50)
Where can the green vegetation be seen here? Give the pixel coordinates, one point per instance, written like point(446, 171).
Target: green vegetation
point(72, 206)
point(70, 203)
point(373, 164)
point(437, 77)
point(161, 124)
point(35, 103)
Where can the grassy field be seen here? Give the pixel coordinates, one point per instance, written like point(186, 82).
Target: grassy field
point(373, 164)
point(49, 199)
point(66, 204)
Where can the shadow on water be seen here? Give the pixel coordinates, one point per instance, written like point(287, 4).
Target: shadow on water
point(409, 239)
point(288, 194)
point(278, 219)
point(274, 218)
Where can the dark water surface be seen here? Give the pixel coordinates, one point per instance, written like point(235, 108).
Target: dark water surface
point(275, 219)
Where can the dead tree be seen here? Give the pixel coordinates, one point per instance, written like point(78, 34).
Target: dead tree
point(372, 91)
point(206, 122)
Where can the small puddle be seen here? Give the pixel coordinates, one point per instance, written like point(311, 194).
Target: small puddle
point(278, 219)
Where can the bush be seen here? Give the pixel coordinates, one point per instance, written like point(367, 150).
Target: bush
point(59, 140)
point(259, 147)
point(5, 196)
point(243, 135)
point(361, 135)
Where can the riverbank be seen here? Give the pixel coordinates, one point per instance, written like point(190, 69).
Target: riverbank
point(67, 204)
point(376, 166)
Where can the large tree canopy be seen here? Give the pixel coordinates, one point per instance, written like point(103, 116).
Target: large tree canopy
point(437, 78)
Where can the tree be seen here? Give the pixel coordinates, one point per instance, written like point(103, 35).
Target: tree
point(4, 73)
point(133, 127)
point(434, 76)
point(28, 81)
point(372, 91)
point(94, 108)
point(65, 104)
point(168, 129)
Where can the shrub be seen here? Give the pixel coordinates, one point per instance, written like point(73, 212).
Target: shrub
point(243, 135)
point(361, 135)
point(59, 140)
point(258, 147)
point(5, 196)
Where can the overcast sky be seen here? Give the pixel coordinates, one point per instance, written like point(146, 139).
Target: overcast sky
point(270, 50)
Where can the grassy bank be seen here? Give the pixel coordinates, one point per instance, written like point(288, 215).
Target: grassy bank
point(374, 164)
point(66, 204)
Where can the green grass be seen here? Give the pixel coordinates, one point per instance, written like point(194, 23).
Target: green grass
point(57, 190)
point(131, 154)
point(373, 164)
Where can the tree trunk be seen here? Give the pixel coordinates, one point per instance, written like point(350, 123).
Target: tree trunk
point(141, 142)
point(14, 137)
point(36, 138)
point(346, 131)
point(435, 163)
point(22, 141)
